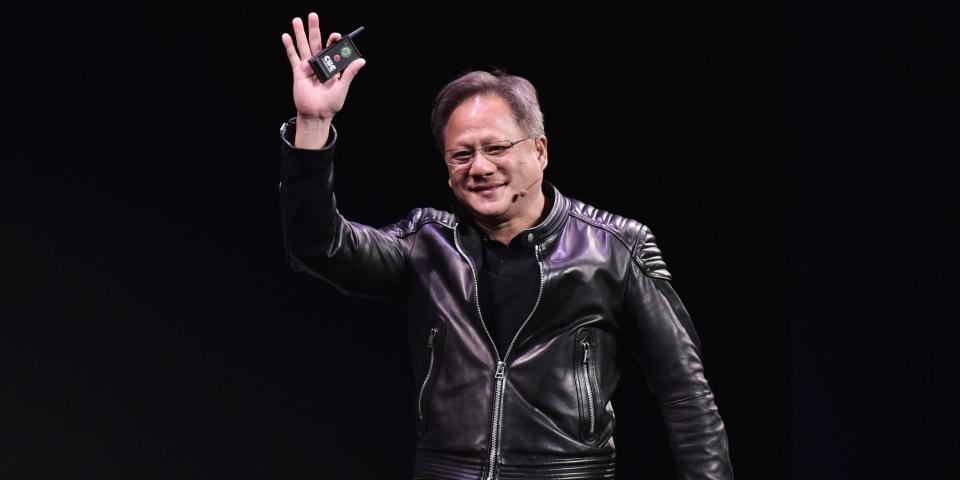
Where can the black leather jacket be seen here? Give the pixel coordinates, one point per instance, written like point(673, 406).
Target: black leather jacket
point(540, 409)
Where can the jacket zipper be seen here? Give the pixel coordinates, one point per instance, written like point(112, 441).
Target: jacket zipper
point(586, 376)
point(433, 333)
point(500, 374)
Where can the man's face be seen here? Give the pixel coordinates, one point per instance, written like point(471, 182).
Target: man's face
point(490, 189)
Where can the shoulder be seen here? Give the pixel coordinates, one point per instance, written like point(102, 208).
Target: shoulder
point(632, 234)
point(420, 217)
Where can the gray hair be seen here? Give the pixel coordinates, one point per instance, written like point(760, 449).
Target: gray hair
point(518, 92)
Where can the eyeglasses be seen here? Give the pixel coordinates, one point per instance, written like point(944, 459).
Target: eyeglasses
point(460, 157)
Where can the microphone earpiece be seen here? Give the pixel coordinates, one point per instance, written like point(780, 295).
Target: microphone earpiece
point(523, 193)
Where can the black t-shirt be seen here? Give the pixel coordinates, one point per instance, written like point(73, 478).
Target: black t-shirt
point(509, 282)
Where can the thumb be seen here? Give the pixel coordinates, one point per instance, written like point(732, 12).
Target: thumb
point(352, 70)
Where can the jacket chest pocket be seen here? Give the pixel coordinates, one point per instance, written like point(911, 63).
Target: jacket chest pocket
point(588, 385)
point(432, 346)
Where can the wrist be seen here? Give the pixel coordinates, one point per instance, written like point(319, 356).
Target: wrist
point(308, 121)
point(311, 132)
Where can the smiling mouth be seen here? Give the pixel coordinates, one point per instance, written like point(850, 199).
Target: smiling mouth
point(486, 188)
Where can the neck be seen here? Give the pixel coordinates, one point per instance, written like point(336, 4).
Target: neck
point(505, 231)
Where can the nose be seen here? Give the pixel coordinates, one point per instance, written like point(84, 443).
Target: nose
point(481, 165)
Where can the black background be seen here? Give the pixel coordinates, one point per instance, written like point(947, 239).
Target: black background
point(792, 159)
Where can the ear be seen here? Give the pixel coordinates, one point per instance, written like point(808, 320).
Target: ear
point(542, 151)
point(450, 182)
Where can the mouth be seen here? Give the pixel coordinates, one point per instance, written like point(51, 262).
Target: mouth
point(488, 190)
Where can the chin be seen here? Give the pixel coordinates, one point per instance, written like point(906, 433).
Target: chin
point(490, 209)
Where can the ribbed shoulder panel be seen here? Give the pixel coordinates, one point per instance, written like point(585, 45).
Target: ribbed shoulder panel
point(634, 235)
point(419, 217)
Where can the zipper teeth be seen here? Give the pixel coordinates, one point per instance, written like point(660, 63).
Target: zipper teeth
point(499, 381)
point(433, 332)
point(535, 304)
point(495, 432)
point(498, 399)
point(476, 290)
point(586, 376)
point(498, 388)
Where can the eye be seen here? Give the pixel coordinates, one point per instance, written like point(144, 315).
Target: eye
point(495, 150)
point(461, 155)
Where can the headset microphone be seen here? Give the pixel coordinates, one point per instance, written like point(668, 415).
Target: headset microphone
point(523, 193)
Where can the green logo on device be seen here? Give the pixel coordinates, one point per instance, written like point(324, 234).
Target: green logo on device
point(346, 52)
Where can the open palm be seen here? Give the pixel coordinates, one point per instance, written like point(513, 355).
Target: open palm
point(313, 97)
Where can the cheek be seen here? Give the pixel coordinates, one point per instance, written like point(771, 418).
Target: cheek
point(526, 170)
point(454, 179)
point(457, 184)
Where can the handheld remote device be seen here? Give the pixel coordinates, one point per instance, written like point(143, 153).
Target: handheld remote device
point(335, 58)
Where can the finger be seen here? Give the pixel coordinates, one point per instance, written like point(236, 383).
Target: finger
point(351, 71)
point(316, 39)
point(291, 51)
point(302, 44)
point(334, 38)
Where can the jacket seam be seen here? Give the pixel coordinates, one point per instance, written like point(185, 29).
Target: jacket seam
point(602, 227)
point(685, 399)
point(636, 241)
point(632, 249)
point(635, 255)
point(403, 233)
point(648, 271)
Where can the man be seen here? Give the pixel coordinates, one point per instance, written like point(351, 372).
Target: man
point(517, 300)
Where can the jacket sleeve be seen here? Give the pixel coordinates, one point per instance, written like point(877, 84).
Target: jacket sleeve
point(356, 259)
point(664, 342)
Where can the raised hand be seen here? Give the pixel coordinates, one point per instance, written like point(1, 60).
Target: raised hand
point(316, 99)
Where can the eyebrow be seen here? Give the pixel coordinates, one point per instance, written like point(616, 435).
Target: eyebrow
point(483, 141)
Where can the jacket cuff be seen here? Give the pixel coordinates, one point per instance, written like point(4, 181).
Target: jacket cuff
point(306, 156)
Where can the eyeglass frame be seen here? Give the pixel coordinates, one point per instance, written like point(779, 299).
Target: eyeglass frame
point(473, 155)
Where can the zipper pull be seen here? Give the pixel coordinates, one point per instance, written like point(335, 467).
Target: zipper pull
point(500, 366)
point(433, 332)
point(586, 351)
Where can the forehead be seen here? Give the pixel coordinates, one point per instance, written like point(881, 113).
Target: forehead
point(481, 118)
